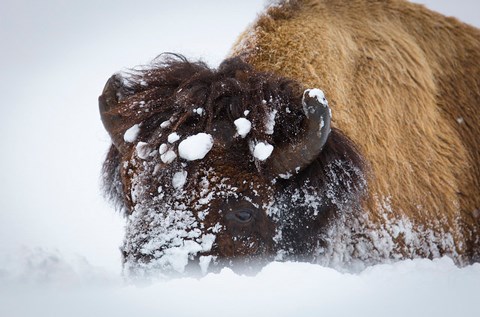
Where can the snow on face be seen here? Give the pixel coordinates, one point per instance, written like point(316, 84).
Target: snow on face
point(164, 234)
point(195, 147)
point(132, 133)
point(262, 151)
point(243, 126)
point(171, 237)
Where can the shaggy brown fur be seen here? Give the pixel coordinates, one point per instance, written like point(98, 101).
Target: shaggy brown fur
point(404, 84)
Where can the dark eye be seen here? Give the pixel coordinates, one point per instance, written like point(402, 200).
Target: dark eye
point(242, 216)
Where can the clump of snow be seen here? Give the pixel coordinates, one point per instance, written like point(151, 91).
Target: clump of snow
point(163, 148)
point(132, 133)
point(243, 126)
point(195, 147)
point(173, 137)
point(262, 151)
point(142, 150)
point(321, 124)
point(179, 179)
point(177, 257)
point(199, 111)
point(246, 112)
point(270, 122)
point(287, 175)
point(317, 94)
point(207, 242)
point(165, 124)
point(168, 157)
point(204, 262)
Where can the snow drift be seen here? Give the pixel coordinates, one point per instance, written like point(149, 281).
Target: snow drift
point(44, 283)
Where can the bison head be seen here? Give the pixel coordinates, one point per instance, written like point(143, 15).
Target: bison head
point(223, 167)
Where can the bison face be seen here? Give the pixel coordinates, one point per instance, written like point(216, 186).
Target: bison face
point(222, 167)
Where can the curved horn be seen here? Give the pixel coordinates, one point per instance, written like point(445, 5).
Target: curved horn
point(107, 102)
point(290, 159)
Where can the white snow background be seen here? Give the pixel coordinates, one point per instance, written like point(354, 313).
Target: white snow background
point(58, 238)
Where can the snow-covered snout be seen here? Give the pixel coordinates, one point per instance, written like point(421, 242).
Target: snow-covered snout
point(224, 167)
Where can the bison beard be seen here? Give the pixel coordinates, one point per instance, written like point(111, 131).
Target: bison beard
point(230, 207)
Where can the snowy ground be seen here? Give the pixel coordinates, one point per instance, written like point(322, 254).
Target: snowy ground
point(59, 252)
point(48, 284)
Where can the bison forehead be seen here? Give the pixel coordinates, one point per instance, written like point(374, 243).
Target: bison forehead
point(169, 163)
point(194, 185)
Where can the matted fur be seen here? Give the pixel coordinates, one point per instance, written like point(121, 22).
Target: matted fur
point(404, 84)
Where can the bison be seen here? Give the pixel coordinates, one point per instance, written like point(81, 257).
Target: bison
point(246, 164)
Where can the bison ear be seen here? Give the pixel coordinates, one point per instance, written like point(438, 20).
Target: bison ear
point(113, 122)
point(292, 158)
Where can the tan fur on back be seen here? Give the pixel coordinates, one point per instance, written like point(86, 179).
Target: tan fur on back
point(404, 84)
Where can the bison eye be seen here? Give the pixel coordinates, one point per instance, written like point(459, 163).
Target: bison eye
point(242, 215)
